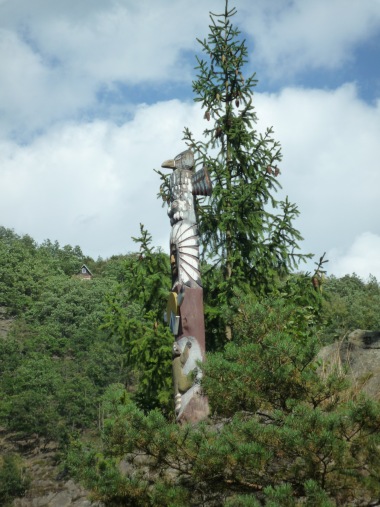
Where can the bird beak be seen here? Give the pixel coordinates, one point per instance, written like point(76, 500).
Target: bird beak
point(169, 164)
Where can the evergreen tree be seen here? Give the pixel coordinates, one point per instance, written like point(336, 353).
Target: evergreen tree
point(281, 434)
point(245, 231)
point(135, 318)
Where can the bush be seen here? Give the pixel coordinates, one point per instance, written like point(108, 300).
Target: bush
point(13, 480)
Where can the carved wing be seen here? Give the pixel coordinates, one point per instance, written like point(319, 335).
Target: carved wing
point(202, 182)
point(185, 238)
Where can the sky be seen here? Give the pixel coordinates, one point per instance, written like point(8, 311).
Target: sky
point(94, 95)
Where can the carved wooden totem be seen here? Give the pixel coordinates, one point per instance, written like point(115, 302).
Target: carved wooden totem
point(185, 313)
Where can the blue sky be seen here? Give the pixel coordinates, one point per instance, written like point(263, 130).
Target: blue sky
point(94, 95)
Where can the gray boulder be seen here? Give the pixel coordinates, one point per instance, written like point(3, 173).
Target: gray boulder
point(357, 356)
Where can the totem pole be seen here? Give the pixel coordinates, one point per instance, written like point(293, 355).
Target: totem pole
point(184, 313)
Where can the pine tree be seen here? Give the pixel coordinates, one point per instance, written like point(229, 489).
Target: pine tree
point(281, 433)
point(245, 231)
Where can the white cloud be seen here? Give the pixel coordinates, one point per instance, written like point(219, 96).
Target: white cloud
point(330, 169)
point(298, 35)
point(362, 257)
point(118, 42)
point(32, 93)
point(56, 56)
point(92, 184)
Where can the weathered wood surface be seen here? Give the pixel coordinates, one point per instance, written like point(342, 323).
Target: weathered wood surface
point(185, 313)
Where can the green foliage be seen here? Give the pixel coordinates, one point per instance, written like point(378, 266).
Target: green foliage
point(68, 258)
point(62, 361)
point(70, 310)
point(54, 362)
point(147, 345)
point(245, 231)
point(134, 318)
point(149, 279)
point(280, 433)
point(351, 303)
point(49, 387)
point(102, 472)
point(25, 268)
point(270, 361)
point(283, 435)
point(29, 402)
point(112, 268)
point(22, 271)
point(13, 479)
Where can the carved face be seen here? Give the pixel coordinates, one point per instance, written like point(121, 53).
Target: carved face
point(173, 261)
point(176, 350)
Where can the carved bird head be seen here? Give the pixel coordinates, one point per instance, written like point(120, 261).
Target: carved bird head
point(184, 160)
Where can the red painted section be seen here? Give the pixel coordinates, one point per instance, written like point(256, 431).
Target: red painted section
point(192, 321)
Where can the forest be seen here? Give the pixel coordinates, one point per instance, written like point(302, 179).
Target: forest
point(86, 364)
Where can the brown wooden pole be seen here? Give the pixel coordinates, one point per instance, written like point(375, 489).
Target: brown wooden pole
point(185, 312)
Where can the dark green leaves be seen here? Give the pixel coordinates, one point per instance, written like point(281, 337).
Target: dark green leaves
point(243, 228)
point(135, 319)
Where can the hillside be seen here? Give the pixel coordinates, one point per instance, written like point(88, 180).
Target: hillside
point(84, 364)
point(55, 362)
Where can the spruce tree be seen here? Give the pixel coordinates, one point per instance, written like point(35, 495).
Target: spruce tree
point(245, 231)
point(283, 431)
point(134, 319)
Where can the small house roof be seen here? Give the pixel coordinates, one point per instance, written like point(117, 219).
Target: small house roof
point(86, 268)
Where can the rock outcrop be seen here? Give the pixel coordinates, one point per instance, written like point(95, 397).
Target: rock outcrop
point(49, 486)
point(358, 356)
